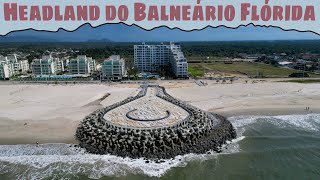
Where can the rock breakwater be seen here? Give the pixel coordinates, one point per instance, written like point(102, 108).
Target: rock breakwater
point(198, 132)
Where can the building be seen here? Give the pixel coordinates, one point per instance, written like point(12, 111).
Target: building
point(113, 68)
point(80, 65)
point(18, 66)
point(151, 58)
point(10, 66)
point(178, 62)
point(57, 62)
point(65, 61)
point(47, 65)
point(43, 67)
point(59, 65)
point(4, 71)
point(92, 64)
point(24, 66)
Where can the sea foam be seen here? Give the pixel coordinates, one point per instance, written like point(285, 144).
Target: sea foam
point(46, 160)
point(308, 122)
point(55, 161)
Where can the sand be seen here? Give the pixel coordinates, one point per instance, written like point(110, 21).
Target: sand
point(261, 98)
point(51, 113)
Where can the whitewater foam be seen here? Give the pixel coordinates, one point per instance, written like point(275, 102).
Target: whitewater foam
point(308, 122)
point(43, 160)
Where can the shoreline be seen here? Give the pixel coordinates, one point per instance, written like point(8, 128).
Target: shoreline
point(60, 130)
point(53, 112)
point(268, 111)
point(59, 134)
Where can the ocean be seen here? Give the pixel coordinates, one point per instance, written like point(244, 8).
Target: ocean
point(267, 147)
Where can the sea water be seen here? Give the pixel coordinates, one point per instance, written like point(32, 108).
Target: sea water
point(267, 147)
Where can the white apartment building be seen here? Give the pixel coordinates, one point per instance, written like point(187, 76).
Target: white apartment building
point(24, 65)
point(178, 62)
point(43, 67)
point(10, 66)
point(58, 63)
point(113, 68)
point(150, 58)
point(80, 65)
point(47, 65)
point(65, 61)
point(4, 71)
point(92, 64)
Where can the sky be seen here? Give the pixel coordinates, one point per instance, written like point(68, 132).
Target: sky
point(125, 33)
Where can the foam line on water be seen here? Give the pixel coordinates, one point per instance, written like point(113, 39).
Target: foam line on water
point(309, 122)
point(44, 159)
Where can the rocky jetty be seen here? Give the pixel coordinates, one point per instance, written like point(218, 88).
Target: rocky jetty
point(198, 133)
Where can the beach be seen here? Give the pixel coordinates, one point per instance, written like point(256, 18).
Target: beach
point(276, 137)
point(50, 113)
point(266, 97)
point(31, 113)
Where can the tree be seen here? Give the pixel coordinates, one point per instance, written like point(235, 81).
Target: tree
point(133, 71)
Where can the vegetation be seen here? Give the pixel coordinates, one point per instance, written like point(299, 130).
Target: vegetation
point(202, 56)
point(196, 50)
point(50, 79)
point(192, 50)
point(246, 68)
point(132, 72)
point(195, 72)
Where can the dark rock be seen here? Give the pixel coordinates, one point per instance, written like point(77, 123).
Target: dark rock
point(199, 133)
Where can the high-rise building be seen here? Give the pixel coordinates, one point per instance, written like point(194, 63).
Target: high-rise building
point(10, 66)
point(80, 65)
point(150, 58)
point(92, 64)
point(113, 68)
point(43, 67)
point(4, 71)
point(23, 66)
point(178, 62)
point(65, 61)
point(47, 65)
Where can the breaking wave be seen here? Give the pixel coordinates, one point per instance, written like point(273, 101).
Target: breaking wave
point(65, 161)
point(307, 122)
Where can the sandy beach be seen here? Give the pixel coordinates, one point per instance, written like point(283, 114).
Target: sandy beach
point(51, 113)
point(261, 98)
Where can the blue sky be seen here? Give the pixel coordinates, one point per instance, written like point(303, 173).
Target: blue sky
point(124, 33)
